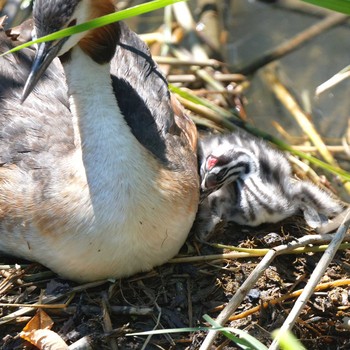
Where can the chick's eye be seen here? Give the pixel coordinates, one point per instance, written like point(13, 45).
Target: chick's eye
point(221, 174)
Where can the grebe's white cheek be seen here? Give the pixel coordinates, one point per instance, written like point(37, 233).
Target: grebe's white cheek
point(70, 43)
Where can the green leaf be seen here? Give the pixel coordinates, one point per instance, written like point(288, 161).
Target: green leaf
point(287, 341)
point(336, 5)
point(168, 331)
point(246, 341)
point(230, 121)
point(99, 22)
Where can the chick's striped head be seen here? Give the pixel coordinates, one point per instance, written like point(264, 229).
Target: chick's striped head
point(225, 165)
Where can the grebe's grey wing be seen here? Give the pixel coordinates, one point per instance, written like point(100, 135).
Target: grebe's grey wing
point(43, 121)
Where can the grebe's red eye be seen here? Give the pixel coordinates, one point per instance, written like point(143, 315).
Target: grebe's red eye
point(211, 162)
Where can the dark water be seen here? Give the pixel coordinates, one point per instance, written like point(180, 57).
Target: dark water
point(257, 27)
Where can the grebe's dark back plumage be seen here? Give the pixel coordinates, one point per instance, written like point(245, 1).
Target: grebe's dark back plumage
point(145, 100)
point(104, 184)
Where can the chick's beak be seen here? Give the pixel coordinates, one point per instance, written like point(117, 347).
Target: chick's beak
point(209, 182)
point(45, 54)
point(208, 186)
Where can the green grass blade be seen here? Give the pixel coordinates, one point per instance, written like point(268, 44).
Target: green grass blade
point(231, 122)
point(99, 22)
point(195, 99)
point(246, 341)
point(251, 344)
point(336, 5)
point(287, 341)
point(168, 331)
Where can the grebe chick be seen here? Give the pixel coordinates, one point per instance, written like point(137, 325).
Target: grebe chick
point(247, 181)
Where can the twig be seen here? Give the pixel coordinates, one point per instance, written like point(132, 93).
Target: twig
point(47, 300)
point(302, 119)
point(248, 253)
point(263, 251)
point(11, 277)
point(221, 116)
point(249, 283)
point(292, 44)
point(254, 253)
point(190, 78)
point(334, 80)
point(148, 339)
point(9, 267)
point(211, 257)
point(304, 8)
point(206, 112)
point(107, 323)
point(265, 304)
point(178, 62)
point(207, 123)
point(314, 279)
point(84, 343)
point(93, 309)
point(189, 302)
point(209, 29)
point(331, 148)
point(185, 19)
point(151, 38)
point(302, 169)
point(35, 306)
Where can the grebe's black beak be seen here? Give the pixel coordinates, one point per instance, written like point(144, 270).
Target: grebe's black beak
point(45, 54)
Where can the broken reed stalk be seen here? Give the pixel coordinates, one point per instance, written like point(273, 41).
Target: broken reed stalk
point(173, 61)
point(230, 121)
point(206, 112)
point(303, 8)
point(334, 80)
point(303, 170)
point(48, 300)
point(313, 281)
point(240, 253)
point(296, 293)
point(248, 284)
point(331, 148)
point(288, 101)
point(210, 30)
point(253, 253)
point(186, 21)
point(286, 98)
point(107, 322)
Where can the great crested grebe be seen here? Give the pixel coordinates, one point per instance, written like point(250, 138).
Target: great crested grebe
point(103, 184)
point(250, 182)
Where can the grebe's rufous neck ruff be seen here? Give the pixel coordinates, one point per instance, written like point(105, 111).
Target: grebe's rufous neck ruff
point(51, 16)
